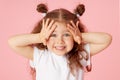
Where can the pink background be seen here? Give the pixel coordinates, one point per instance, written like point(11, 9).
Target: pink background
point(19, 16)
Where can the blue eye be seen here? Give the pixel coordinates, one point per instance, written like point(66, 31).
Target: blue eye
point(66, 34)
point(53, 35)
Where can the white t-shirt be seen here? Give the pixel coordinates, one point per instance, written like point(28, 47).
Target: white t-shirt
point(50, 66)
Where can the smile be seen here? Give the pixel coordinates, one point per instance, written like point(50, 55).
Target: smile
point(59, 47)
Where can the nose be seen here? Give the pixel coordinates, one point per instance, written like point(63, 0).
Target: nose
point(60, 40)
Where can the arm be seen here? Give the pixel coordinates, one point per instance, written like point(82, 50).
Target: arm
point(21, 44)
point(98, 41)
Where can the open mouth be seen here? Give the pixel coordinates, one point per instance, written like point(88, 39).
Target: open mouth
point(59, 47)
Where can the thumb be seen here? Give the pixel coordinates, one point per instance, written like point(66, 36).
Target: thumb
point(45, 42)
point(78, 39)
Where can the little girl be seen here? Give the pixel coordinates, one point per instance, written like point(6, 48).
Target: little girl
point(59, 48)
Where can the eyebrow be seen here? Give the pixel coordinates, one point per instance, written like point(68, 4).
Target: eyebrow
point(63, 31)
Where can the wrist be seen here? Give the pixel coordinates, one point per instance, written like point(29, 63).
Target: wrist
point(83, 37)
point(38, 38)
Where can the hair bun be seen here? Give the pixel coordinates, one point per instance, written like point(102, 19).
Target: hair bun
point(42, 8)
point(80, 9)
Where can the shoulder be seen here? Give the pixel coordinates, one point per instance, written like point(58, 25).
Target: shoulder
point(38, 56)
point(87, 47)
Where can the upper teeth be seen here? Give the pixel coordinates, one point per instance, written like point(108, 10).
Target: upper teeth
point(60, 47)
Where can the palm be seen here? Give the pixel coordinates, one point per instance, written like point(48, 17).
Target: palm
point(46, 30)
point(75, 31)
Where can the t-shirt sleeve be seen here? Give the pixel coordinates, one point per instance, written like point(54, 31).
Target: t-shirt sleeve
point(36, 57)
point(88, 61)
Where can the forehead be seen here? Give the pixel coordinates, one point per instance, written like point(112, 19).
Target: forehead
point(60, 26)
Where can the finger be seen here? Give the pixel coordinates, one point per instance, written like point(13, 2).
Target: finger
point(53, 28)
point(78, 39)
point(69, 26)
point(74, 26)
point(51, 31)
point(46, 23)
point(70, 29)
point(50, 25)
point(43, 23)
point(77, 24)
point(45, 42)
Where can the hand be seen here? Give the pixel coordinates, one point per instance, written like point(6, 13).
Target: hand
point(46, 30)
point(73, 28)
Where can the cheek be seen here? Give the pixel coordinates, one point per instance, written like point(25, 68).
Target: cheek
point(70, 42)
point(49, 43)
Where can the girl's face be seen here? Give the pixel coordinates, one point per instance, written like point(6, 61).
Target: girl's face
point(61, 40)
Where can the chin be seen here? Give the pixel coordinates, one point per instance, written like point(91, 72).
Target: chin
point(60, 53)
